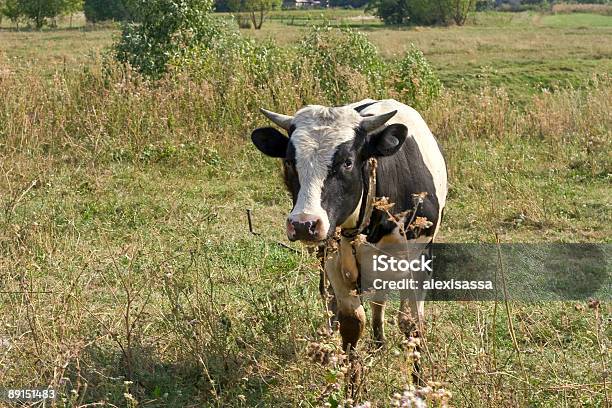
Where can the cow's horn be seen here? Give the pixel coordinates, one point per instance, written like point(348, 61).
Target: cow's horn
point(281, 120)
point(370, 123)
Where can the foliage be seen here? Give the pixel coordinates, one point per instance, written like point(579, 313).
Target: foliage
point(459, 10)
point(166, 30)
point(11, 9)
point(392, 12)
point(40, 10)
point(511, 5)
point(422, 12)
point(222, 5)
point(415, 81)
point(482, 5)
point(72, 6)
point(101, 10)
point(256, 8)
point(348, 3)
point(337, 57)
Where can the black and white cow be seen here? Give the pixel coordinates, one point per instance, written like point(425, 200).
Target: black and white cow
point(326, 156)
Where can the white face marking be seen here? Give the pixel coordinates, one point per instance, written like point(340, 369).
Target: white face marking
point(319, 131)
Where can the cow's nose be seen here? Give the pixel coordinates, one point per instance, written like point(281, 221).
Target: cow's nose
point(305, 227)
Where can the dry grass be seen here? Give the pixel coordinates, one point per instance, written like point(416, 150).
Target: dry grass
point(604, 9)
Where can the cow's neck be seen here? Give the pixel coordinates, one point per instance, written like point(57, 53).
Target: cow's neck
point(353, 219)
point(365, 208)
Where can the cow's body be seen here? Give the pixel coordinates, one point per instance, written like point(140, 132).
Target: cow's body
point(417, 167)
point(326, 170)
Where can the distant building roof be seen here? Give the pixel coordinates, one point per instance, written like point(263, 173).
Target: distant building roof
point(302, 3)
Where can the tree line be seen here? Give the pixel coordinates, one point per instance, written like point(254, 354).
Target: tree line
point(251, 13)
point(39, 12)
point(44, 12)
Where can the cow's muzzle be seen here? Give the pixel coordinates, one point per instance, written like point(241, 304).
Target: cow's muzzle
point(305, 227)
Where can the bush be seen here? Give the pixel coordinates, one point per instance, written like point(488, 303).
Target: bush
point(483, 5)
point(166, 30)
point(415, 81)
point(329, 66)
point(422, 12)
point(511, 5)
point(337, 57)
point(348, 3)
point(102, 10)
point(392, 12)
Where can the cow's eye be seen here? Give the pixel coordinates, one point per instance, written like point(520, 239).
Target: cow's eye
point(348, 163)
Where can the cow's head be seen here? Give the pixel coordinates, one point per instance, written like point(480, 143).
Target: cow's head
point(325, 157)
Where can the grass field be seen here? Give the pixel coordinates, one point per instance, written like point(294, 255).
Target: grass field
point(124, 239)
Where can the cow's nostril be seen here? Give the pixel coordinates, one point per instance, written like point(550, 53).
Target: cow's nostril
point(313, 226)
point(306, 230)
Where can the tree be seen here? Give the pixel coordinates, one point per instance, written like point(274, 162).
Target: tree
point(391, 12)
point(348, 3)
point(102, 10)
point(422, 12)
point(12, 10)
point(483, 5)
point(258, 9)
point(40, 10)
point(71, 7)
point(460, 10)
point(222, 6)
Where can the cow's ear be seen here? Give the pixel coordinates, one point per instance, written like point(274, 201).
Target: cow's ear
point(388, 141)
point(270, 142)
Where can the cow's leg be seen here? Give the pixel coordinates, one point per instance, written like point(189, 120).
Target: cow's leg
point(410, 320)
point(329, 301)
point(350, 313)
point(351, 317)
point(378, 318)
point(343, 275)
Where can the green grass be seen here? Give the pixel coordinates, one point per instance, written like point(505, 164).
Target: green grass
point(577, 20)
point(126, 202)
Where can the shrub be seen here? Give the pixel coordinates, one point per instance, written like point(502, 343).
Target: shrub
point(422, 12)
point(415, 81)
point(338, 57)
point(166, 30)
point(348, 3)
point(392, 12)
point(483, 5)
point(101, 10)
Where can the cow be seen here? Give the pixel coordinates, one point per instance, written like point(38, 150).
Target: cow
point(326, 155)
